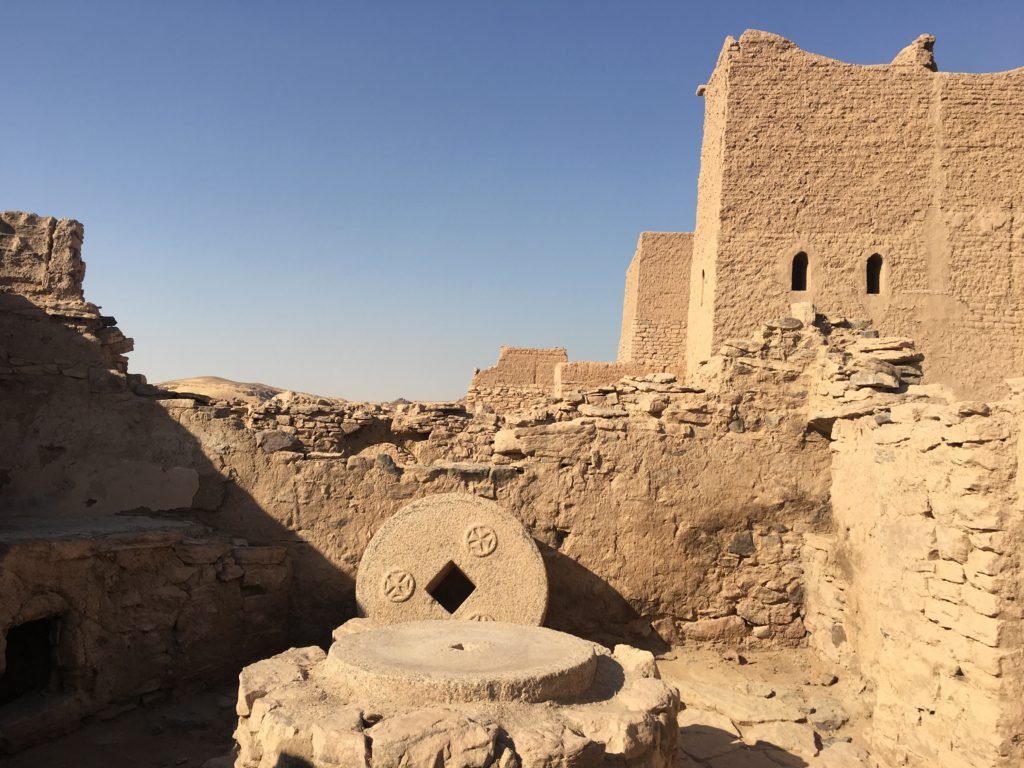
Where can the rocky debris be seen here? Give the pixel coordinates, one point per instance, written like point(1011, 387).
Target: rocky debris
point(755, 715)
point(865, 376)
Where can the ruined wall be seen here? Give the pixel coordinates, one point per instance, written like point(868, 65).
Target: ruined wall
point(656, 303)
point(604, 486)
point(609, 480)
point(98, 486)
point(521, 373)
point(808, 154)
point(42, 258)
point(41, 274)
point(918, 589)
point(582, 375)
point(133, 613)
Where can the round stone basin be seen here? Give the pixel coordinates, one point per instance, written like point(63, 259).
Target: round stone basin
point(454, 661)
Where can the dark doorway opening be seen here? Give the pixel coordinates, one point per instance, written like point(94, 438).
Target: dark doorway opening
point(874, 273)
point(451, 587)
point(799, 276)
point(30, 658)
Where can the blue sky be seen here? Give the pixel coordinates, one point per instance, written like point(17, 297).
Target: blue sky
point(365, 199)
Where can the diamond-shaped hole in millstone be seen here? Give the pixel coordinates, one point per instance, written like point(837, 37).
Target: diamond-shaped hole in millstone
point(451, 587)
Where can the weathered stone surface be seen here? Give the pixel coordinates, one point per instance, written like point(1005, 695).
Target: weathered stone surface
point(452, 555)
point(451, 693)
point(430, 662)
point(432, 737)
point(258, 679)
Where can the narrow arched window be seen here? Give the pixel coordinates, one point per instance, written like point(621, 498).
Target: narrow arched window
point(799, 277)
point(702, 288)
point(874, 273)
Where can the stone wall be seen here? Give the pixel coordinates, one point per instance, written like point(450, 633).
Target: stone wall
point(134, 612)
point(917, 166)
point(601, 478)
point(656, 302)
point(918, 588)
point(582, 375)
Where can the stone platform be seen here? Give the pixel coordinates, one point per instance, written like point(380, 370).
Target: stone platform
point(456, 693)
point(428, 662)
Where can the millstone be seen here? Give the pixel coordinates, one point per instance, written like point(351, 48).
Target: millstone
point(456, 661)
point(452, 556)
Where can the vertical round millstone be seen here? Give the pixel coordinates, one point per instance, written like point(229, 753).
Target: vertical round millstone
point(452, 556)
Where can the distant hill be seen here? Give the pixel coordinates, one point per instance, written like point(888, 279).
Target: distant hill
point(217, 388)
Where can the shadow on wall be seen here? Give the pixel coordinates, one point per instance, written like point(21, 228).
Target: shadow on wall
point(584, 604)
point(116, 578)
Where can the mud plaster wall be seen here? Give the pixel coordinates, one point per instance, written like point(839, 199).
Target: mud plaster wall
point(919, 587)
point(656, 301)
point(840, 161)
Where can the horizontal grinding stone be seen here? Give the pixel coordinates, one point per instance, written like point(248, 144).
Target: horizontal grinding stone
point(440, 662)
point(452, 555)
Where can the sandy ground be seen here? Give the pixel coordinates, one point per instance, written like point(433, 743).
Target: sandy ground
point(182, 731)
point(758, 710)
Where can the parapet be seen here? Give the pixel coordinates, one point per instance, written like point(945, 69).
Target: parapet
point(522, 367)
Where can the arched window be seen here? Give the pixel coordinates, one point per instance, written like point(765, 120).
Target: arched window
point(799, 276)
point(874, 273)
point(5, 228)
point(702, 288)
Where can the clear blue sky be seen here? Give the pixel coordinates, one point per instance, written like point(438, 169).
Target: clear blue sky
point(365, 199)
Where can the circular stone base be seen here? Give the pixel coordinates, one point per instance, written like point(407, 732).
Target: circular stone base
point(453, 661)
point(353, 708)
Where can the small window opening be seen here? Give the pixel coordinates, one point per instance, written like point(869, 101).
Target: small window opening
point(30, 659)
point(874, 273)
point(799, 276)
point(5, 228)
point(451, 587)
point(702, 288)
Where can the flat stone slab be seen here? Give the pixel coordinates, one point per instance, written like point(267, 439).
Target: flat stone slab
point(458, 661)
point(452, 555)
